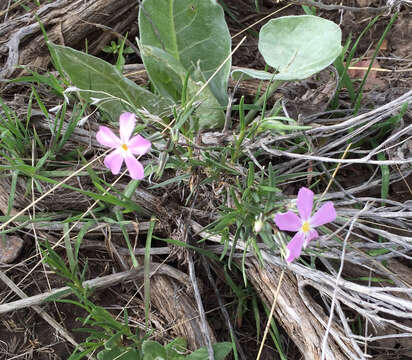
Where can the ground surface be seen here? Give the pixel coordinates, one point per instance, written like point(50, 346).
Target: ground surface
point(26, 335)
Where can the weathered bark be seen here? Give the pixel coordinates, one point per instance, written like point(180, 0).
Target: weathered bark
point(179, 309)
point(292, 313)
point(67, 23)
point(60, 199)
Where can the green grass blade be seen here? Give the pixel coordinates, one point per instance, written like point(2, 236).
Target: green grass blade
point(147, 271)
point(69, 249)
point(359, 93)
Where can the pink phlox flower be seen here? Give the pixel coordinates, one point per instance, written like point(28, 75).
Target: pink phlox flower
point(305, 224)
point(125, 148)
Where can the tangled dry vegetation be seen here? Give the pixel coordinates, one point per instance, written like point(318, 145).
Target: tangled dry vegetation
point(363, 275)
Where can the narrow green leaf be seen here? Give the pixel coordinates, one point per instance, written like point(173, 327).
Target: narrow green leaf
point(147, 270)
point(170, 181)
point(120, 221)
point(358, 99)
point(12, 191)
point(69, 249)
point(83, 231)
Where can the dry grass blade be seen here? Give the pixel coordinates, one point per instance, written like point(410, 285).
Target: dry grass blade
point(272, 310)
point(338, 276)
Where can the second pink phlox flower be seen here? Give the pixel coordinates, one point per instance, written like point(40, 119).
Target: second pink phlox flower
point(305, 224)
point(125, 148)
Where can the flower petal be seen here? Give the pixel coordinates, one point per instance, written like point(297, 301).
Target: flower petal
point(138, 145)
point(324, 215)
point(114, 161)
point(106, 137)
point(288, 221)
point(305, 203)
point(313, 234)
point(294, 247)
point(135, 168)
point(127, 122)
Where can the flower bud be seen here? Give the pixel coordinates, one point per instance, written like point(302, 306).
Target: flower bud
point(258, 225)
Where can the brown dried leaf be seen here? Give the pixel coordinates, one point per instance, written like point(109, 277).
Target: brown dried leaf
point(373, 81)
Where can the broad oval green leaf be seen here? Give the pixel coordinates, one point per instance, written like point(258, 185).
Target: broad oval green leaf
point(152, 350)
point(194, 32)
point(221, 350)
point(299, 46)
point(88, 72)
point(170, 76)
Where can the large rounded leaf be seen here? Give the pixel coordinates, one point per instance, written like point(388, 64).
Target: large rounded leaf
point(299, 46)
point(194, 32)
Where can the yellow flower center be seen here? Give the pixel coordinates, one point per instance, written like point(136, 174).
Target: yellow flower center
point(305, 227)
point(124, 147)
